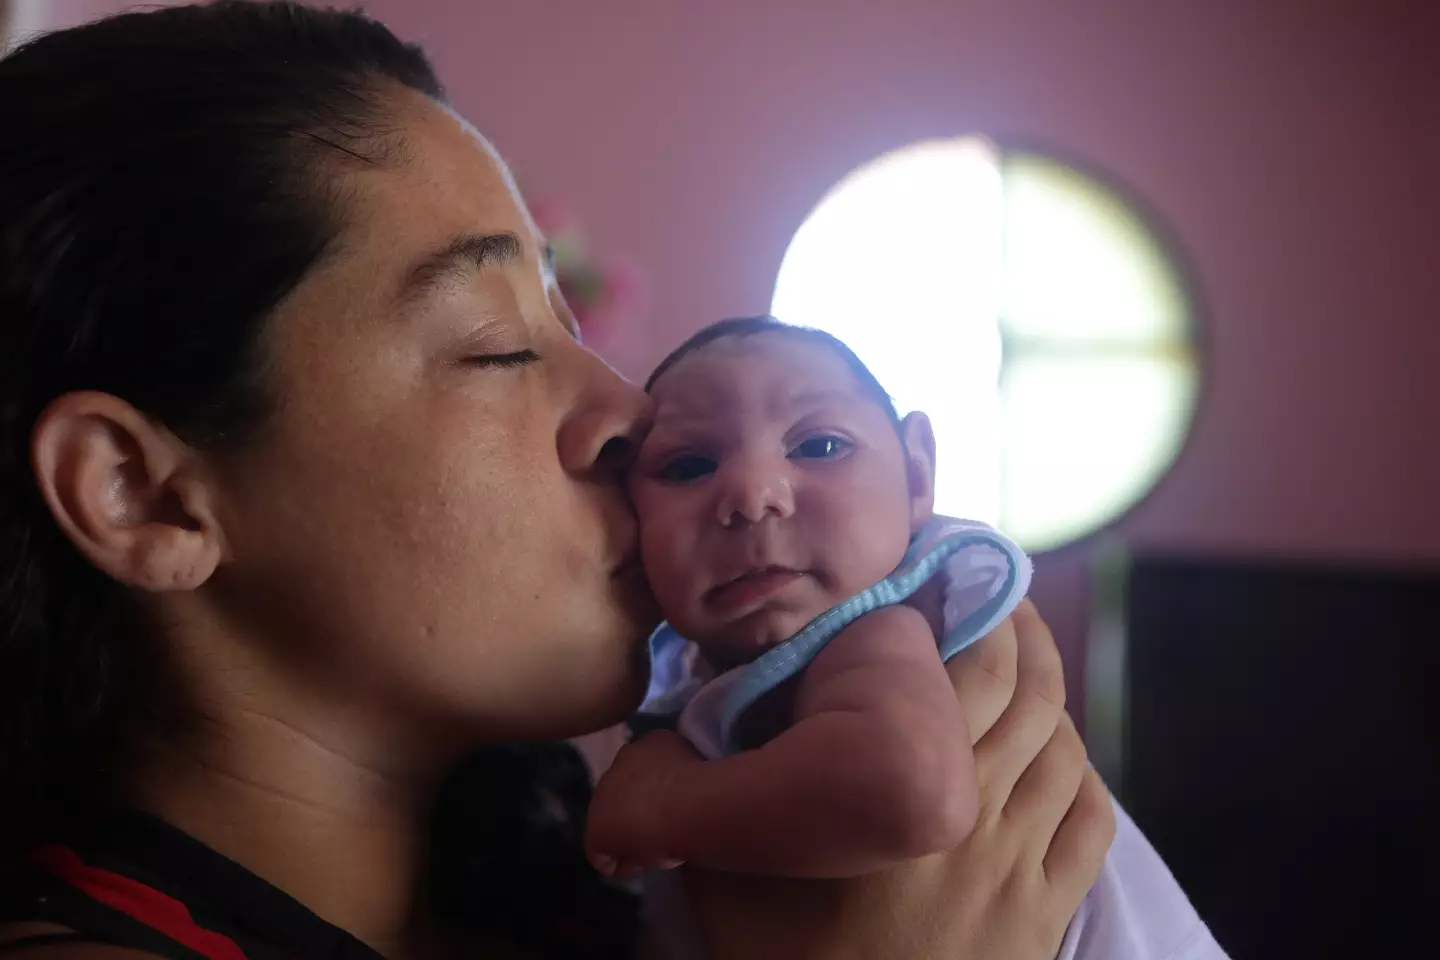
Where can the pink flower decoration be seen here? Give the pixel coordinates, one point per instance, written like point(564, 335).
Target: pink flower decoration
point(551, 216)
point(603, 294)
point(629, 288)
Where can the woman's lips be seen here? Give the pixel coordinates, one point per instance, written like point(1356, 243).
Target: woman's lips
point(751, 588)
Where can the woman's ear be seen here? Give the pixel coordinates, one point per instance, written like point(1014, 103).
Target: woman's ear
point(918, 438)
point(127, 493)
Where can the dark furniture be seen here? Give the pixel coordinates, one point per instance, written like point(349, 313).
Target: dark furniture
point(1274, 728)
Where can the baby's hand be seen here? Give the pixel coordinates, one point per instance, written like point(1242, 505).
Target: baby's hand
point(625, 827)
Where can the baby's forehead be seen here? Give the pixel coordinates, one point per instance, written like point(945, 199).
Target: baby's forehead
point(769, 361)
point(775, 366)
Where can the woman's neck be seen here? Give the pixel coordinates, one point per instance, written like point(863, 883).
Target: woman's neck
point(301, 811)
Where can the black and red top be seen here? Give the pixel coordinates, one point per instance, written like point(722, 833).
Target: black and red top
point(137, 882)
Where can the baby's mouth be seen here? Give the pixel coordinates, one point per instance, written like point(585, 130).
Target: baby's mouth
point(751, 587)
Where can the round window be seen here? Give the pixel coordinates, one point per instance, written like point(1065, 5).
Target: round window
point(1026, 308)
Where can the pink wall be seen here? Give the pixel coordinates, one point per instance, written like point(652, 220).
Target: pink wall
point(1291, 145)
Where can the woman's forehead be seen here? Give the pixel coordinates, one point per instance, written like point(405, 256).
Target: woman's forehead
point(446, 182)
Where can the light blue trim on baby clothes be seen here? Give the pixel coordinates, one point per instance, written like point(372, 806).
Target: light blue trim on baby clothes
point(926, 557)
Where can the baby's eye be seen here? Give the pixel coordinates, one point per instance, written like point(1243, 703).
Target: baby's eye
point(820, 448)
point(686, 468)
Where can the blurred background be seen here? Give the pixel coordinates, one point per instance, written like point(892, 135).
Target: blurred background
point(1165, 276)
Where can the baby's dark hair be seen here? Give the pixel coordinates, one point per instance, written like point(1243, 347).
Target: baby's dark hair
point(741, 327)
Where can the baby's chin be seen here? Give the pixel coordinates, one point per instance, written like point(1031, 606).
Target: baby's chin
point(751, 636)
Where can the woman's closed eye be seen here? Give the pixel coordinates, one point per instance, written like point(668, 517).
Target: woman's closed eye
point(822, 447)
point(686, 468)
point(504, 361)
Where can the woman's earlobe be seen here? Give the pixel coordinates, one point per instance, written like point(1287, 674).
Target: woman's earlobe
point(122, 489)
point(918, 438)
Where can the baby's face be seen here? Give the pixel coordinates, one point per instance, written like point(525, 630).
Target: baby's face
point(771, 488)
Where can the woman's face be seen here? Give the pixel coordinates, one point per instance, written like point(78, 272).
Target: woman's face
point(433, 522)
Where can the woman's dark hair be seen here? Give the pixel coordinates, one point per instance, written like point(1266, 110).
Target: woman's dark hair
point(741, 327)
point(166, 179)
point(508, 858)
point(164, 183)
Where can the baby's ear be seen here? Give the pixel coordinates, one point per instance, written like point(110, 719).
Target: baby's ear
point(919, 441)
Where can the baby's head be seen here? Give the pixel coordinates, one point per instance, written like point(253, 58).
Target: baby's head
point(777, 482)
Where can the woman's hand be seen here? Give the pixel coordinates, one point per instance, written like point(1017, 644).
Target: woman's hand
point(1008, 892)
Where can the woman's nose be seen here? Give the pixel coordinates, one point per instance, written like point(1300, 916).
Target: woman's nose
point(603, 433)
point(752, 489)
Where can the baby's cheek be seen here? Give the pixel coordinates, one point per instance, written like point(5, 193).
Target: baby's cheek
point(673, 589)
point(865, 554)
point(663, 549)
point(656, 518)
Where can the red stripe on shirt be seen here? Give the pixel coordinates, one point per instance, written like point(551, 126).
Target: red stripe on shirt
point(134, 899)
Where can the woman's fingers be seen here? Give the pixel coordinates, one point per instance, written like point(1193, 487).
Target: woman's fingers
point(1039, 671)
point(1048, 787)
point(1035, 778)
point(1016, 739)
point(1079, 846)
point(984, 678)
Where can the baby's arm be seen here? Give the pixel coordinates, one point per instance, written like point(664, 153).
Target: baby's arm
point(876, 768)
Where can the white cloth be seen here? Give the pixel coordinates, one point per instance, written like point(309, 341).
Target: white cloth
point(1136, 910)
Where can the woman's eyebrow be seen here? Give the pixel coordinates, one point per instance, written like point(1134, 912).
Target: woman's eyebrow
point(457, 260)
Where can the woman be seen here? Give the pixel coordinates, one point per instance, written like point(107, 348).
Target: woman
point(307, 490)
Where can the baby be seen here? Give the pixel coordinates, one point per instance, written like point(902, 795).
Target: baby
point(786, 525)
point(812, 598)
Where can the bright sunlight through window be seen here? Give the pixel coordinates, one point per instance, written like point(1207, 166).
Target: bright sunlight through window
point(1026, 309)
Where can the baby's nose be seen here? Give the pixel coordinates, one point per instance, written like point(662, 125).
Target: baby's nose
point(753, 491)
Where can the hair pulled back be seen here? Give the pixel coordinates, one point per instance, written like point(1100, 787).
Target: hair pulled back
point(164, 184)
point(167, 178)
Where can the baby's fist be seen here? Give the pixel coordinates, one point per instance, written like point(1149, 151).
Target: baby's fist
point(625, 832)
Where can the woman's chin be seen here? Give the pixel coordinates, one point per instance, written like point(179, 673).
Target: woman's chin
point(621, 706)
point(602, 702)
